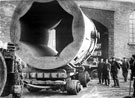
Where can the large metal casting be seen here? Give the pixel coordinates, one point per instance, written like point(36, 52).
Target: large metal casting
point(54, 38)
point(31, 27)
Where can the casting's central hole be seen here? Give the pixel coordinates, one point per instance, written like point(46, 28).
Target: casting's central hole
point(46, 29)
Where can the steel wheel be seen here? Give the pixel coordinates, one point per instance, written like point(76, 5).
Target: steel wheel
point(84, 78)
point(5, 89)
point(73, 87)
point(94, 74)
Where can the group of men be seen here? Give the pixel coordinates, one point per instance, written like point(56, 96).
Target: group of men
point(104, 68)
point(109, 68)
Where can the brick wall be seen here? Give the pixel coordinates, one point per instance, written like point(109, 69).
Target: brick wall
point(118, 24)
point(106, 18)
point(121, 29)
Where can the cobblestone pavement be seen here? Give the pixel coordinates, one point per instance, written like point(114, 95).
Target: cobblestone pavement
point(93, 90)
point(102, 91)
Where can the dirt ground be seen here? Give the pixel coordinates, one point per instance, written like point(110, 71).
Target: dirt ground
point(93, 90)
point(102, 91)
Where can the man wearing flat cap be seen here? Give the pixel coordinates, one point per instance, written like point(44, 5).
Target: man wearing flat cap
point(132, 67)
point(125, 67)
point(114, 72)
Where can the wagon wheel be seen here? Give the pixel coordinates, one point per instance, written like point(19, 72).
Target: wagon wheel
point(94, 74)
point(4, 87)
point(84, 78)
point(73, 87)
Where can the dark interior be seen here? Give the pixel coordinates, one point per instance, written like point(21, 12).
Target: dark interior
point(41, 18)
point(103, 38)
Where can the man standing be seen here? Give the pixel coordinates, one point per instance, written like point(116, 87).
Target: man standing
point(125, 67)
point(99, 69)
point(132, 66)
point(131, 61)
point(106, 72)
point(114, 72)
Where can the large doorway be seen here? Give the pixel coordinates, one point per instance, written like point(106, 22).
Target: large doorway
point(102, 44)
point(104, 22)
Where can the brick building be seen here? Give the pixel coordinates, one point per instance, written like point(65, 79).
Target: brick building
point(115, 20)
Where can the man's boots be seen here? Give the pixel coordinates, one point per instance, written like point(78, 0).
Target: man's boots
point(117, 83)
point(114, 83)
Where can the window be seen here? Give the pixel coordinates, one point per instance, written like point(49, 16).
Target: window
point(132, 28)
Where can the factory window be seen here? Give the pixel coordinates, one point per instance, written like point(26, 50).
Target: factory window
point(132, 28)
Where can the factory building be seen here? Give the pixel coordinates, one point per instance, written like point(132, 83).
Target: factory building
point(115, 20)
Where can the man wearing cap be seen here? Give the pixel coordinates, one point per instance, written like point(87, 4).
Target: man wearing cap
point(125, 67)
point(132, 66)
point(106, 72)
point(99, 69)
point(114, 72)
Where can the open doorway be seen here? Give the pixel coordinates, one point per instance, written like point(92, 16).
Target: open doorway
point(102, 44)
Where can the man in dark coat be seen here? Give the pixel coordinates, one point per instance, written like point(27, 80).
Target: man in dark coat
point(106, 72)
point(132, 66)
point(114, 72)
point(125, 67)
point(99, 69)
